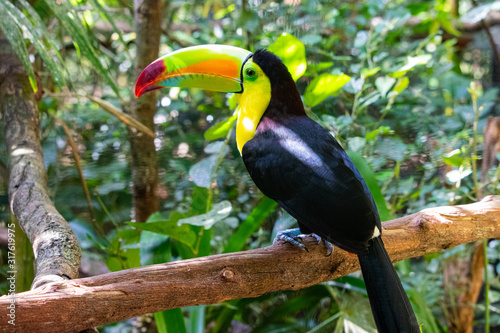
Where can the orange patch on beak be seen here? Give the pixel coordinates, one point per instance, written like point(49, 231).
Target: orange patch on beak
point(218, 67)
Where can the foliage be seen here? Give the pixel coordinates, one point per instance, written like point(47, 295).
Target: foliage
point(396, 94)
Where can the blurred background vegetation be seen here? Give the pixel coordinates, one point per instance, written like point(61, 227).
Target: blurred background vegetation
point(406, 86)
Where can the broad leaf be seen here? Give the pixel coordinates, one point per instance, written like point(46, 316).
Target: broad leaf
point(251, 224)
point(454, 158)
point(36, 37)
point(411, 63)
point(370, 180)
point(219, 212)
point(384, 84)
point(401, 85)
point(170, 321)
point(391, 147)
point(182, 233)
point(324, 86)
point(202, 172)
point(220, 130)
point(292, 52)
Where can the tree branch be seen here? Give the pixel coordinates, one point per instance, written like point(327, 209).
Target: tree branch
point(77, 304)
point(491, 19)
point(55, 246)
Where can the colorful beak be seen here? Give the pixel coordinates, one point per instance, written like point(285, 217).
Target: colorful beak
point(210, 67)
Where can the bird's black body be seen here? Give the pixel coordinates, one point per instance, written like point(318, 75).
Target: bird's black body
point(296, 162)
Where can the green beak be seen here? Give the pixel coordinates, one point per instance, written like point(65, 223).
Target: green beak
point(210, 67)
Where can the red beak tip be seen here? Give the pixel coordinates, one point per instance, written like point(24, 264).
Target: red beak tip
point(138, 92)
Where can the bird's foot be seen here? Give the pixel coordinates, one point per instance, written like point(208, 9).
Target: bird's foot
point(294, 237)
point(328, 246)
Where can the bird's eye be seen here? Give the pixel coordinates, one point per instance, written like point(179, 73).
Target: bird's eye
point(250, 72)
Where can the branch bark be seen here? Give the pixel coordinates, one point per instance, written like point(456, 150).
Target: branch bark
point(116, 296)
point(56, 249)
point(492, 19)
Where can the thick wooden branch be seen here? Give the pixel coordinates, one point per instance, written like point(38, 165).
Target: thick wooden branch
point(491, 19)
point(55, 246)
point(74, 305)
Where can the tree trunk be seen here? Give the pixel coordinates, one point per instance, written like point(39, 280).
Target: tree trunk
point(463, 279)
point(147, 17)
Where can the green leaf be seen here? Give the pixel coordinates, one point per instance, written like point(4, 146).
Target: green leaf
point(292, 52)
point(323, 86)
point(391, 147)
point(445, 19)
point(369, 99)
point(13, 34)
point(219, 212)
point(224, 11)
point(132, 258)
point(370, 180)
point(375, 133)
point(113, 264)
point(200, 201)
point(201, 172)
point(104, 13)
point(234, 100)
point(250, 225)
point(154, 248)
point(422, 59)
point(401, 85)
point(384, 84)
point(311, 39)
point(367, 72)
point(170, 321)
point(70, 20)
point(350, 283)
point(196, 321)
point(319, 66)
point(35, 35)
point(220, 130)
point(453, 158)
point(182, 233)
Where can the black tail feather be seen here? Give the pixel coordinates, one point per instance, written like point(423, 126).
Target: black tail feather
point(390, 305)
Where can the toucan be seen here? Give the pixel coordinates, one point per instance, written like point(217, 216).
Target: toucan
point(295, 161)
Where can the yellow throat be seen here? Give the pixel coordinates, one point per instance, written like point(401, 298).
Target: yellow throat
point(253, 102)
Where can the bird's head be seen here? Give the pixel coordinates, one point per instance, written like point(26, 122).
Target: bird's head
point(257, 77)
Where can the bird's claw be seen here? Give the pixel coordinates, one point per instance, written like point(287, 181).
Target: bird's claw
point(328, 246)
point(294, 236)
point(291, 236)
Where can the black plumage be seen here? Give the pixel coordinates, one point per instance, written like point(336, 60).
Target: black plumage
point(296, 162)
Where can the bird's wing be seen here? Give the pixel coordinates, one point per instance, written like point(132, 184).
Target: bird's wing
point(309, 177)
